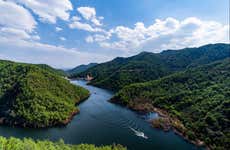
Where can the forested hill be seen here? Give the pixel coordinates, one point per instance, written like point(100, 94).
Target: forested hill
point(52, 70)
point(80, 69)
point(30, 144)
point(149, 66)
point(43, 66)
point(198, 97)
point(34, 96)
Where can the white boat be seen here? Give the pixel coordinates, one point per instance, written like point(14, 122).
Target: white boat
point(139, 133)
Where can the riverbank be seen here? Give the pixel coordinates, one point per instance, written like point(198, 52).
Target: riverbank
point(18, 122)
point(165, 121)
point(24, 124)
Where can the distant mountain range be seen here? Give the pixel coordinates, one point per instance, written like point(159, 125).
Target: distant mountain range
point(148, 66)
point(79, 69)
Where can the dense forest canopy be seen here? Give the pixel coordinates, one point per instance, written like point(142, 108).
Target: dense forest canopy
point(52, 70)
point(34, 96)
point(30, 144)
point(198, 97)
point(148, 66)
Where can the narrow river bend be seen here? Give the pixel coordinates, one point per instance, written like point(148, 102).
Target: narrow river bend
point(102, 123)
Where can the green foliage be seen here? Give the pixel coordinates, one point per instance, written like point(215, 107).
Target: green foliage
point(52, 70)
point(147, 66)
point(32, 96)
point(198, 97)
point(30, 144)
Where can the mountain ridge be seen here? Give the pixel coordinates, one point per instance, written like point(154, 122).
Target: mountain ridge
point(80, 68)
point(146, 66)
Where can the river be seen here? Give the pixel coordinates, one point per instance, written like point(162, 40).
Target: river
point(101, 122)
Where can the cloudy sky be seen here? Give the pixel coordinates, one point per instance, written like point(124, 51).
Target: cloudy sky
point(66, 33)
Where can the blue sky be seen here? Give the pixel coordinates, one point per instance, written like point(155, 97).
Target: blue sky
point(67, 33)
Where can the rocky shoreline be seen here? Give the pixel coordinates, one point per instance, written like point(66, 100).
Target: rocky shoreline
point(167, 123)
point(164, 122)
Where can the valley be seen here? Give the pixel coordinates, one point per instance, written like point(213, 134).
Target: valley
point(123, 101)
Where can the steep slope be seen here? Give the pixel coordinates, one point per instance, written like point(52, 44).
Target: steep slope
point(199, 98)
point(79, 69)
point(34, 97)
point(149, 66)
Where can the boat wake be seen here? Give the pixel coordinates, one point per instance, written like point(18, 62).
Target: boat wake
point(139, 133)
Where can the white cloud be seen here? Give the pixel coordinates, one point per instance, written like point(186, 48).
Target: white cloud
point(89, 39)
point(96, 22)
point(58, 29)
point(13, 28)
point(89, 21)
point(35, 52)
point(35, 37)
point(99, 37)
point(48, 10)
point(84, 26)
point(163, 27)
point(89, 13)
point(75, 18)
point(195, 32)
point(15, 16)
point(26, 47)
point(164, 34)
point(62, 38)
point(14, 33)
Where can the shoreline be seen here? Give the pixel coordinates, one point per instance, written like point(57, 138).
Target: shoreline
point(171, 124)
point(23, 124)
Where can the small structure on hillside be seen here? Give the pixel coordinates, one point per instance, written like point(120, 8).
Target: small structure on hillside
point(88, 78)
